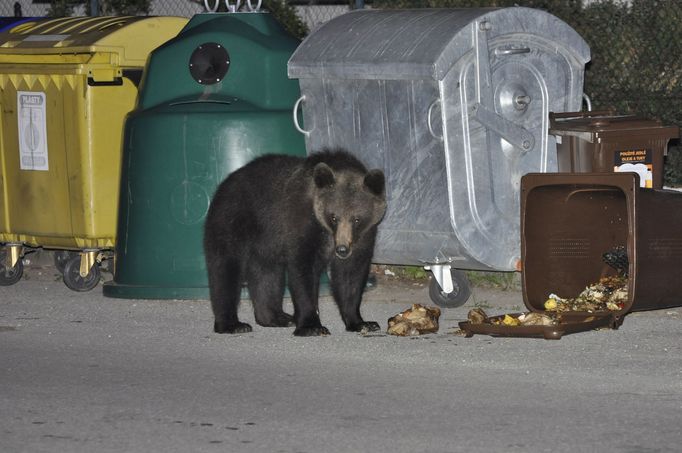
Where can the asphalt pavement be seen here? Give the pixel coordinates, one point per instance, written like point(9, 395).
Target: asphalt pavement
point(83, 373)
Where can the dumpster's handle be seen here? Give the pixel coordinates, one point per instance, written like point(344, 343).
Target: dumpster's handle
point(511, 51)
point(116, 82)
point(212, 9)
point(428, 120)
point(230, 8)
point(251, 8)
point(295, 116)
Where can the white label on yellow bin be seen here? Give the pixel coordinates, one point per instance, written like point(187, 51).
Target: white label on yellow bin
point(46, 38)
point(31, 113)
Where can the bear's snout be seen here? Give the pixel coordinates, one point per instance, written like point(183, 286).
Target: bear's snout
point(342, 251)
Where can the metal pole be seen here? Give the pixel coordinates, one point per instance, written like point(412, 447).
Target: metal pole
point(94, 7)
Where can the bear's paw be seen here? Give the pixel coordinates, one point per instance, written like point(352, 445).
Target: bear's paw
point(311, 331)
point(238, 327)
point(364, 326)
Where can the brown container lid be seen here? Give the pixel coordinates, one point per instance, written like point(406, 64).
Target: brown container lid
point(591, 126)
point(572, 322)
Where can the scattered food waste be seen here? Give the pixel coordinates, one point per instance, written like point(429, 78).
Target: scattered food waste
point(536, 319)
point(459, 332)
point(417, 320)
point(609, 293)
point(477, 316)
point(593, 308)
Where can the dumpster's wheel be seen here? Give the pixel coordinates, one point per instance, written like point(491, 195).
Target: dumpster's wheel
point(10, 275)
point(72, 275)
point(460, 292)
point(61, 257)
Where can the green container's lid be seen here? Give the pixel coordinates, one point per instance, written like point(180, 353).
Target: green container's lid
point(241, 55)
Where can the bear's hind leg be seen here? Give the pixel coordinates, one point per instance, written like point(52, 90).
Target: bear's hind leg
point(266, 290)
point(224, 278)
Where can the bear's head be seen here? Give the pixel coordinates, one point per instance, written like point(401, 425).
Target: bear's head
point(348, 203)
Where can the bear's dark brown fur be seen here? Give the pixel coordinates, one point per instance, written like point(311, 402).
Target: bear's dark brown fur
point(285, 218)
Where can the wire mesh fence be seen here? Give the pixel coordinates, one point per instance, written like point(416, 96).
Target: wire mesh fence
point(635, 44)
point(313, 13)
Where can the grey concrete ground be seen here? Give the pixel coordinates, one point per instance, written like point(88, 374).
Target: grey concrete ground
point(83, 373)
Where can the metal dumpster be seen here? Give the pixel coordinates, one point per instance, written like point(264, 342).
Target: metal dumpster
point(65, 87)
point(213, 98)
point(453, 105)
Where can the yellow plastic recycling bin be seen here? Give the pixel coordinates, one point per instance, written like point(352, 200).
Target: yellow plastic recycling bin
point(66, 85)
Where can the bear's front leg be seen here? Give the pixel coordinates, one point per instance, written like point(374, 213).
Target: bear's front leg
point(348, 280)
point(304, 286)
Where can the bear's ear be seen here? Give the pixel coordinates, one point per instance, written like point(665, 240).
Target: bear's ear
point(374, 181)
point(323, 175)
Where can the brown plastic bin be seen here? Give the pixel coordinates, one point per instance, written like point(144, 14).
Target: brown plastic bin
point(569, 220)
point(604, 142)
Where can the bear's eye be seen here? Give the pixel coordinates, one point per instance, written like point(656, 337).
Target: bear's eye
point(333, 220)
point(356, 221)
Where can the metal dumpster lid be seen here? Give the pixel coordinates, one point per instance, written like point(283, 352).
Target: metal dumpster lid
point(418, 43)
point(83, 34)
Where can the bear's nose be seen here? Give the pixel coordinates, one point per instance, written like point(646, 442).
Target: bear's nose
point(342, 251)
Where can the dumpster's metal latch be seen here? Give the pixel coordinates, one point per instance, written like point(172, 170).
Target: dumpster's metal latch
point(104, 77)
point(511, 132)
point(483, 111)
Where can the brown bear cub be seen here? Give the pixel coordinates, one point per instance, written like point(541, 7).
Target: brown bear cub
point(288, 219)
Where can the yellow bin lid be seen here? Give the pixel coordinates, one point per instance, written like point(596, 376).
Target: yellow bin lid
point(131, 37)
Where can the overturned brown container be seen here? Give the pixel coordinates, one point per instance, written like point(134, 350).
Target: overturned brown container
point(604, 142)
point(569, 220)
